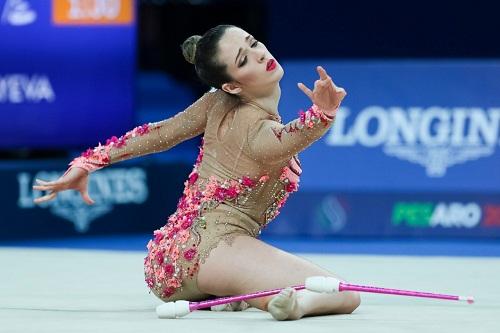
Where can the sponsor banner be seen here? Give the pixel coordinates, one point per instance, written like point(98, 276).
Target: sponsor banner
point(404, 125)
point(69, 84)
point(389, 214)
point(137, 197)
point(129, 198)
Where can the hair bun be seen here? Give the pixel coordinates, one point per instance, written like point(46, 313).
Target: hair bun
point(189, 48)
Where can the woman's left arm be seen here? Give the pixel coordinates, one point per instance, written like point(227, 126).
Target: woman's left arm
point(270, 141)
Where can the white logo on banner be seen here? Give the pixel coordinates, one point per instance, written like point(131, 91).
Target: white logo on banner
point(107, 188)
point(20, 88)
point(18, 12)
point(456, 214)
point(434, 137)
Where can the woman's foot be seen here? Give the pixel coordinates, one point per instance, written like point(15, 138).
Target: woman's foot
point(284, 306)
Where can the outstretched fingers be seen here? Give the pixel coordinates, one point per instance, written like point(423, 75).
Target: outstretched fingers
point(46, 197)
point(43, 187)
point(53, 187)
point(306, 90)
point(46, 186)
point(324, 85)
point(43, 182)
point(322, 73)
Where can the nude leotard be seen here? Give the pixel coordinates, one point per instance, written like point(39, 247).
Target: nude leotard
point(246, 169)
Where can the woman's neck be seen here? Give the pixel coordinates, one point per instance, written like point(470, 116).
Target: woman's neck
point(268, 103)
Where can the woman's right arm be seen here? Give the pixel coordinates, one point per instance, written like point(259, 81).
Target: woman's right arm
point(150, 138)
point(142, 140)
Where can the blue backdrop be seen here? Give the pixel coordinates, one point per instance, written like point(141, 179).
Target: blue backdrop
point(404, 126)
point(413, 151)
point(62, 85)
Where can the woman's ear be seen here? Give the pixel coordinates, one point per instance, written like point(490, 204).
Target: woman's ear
point(231, 88)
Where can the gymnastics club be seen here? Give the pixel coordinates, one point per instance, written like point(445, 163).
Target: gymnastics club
point(326, 284)
point(321, 284)
point(179, 309)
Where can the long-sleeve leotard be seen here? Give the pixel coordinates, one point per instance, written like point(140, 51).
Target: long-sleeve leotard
point(270, 141)
point(152, 137)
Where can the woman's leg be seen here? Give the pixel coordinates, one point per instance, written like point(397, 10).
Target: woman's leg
point(250, 265)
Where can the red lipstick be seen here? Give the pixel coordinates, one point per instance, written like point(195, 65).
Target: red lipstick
point(271, 64)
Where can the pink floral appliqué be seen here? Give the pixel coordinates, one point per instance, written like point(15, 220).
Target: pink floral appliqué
point(290, 181)
point(307, 119)
point(98, 157)
point(162, 271)
point(189, 254)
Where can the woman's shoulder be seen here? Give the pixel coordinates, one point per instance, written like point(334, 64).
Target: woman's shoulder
point(220, 99)
point(219, 94)
point(225, 102)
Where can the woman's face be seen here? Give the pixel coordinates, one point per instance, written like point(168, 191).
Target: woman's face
point(247, 60)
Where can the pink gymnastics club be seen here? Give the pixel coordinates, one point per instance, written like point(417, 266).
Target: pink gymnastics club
point(320, 284)
point(326, 284)
point(179, 309)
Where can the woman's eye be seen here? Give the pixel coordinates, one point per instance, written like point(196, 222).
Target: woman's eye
point(254, 44)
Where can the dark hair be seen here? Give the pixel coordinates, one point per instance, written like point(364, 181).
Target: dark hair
point(202, 52)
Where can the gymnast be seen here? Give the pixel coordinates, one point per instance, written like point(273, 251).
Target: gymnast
point(246, 169)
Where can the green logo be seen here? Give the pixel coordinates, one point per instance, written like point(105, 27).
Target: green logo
point(413, 214)
point(433, 215)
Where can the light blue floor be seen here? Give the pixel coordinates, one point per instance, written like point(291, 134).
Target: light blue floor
point(391, 246)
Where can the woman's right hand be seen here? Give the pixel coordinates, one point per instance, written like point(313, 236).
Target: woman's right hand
point(74, 179)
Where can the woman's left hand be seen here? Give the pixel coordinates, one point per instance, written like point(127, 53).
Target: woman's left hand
point(326, 95)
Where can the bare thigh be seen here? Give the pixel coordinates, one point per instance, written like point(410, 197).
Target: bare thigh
point(250, 265)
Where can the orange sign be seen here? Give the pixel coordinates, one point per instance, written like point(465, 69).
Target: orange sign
point(92, 12)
